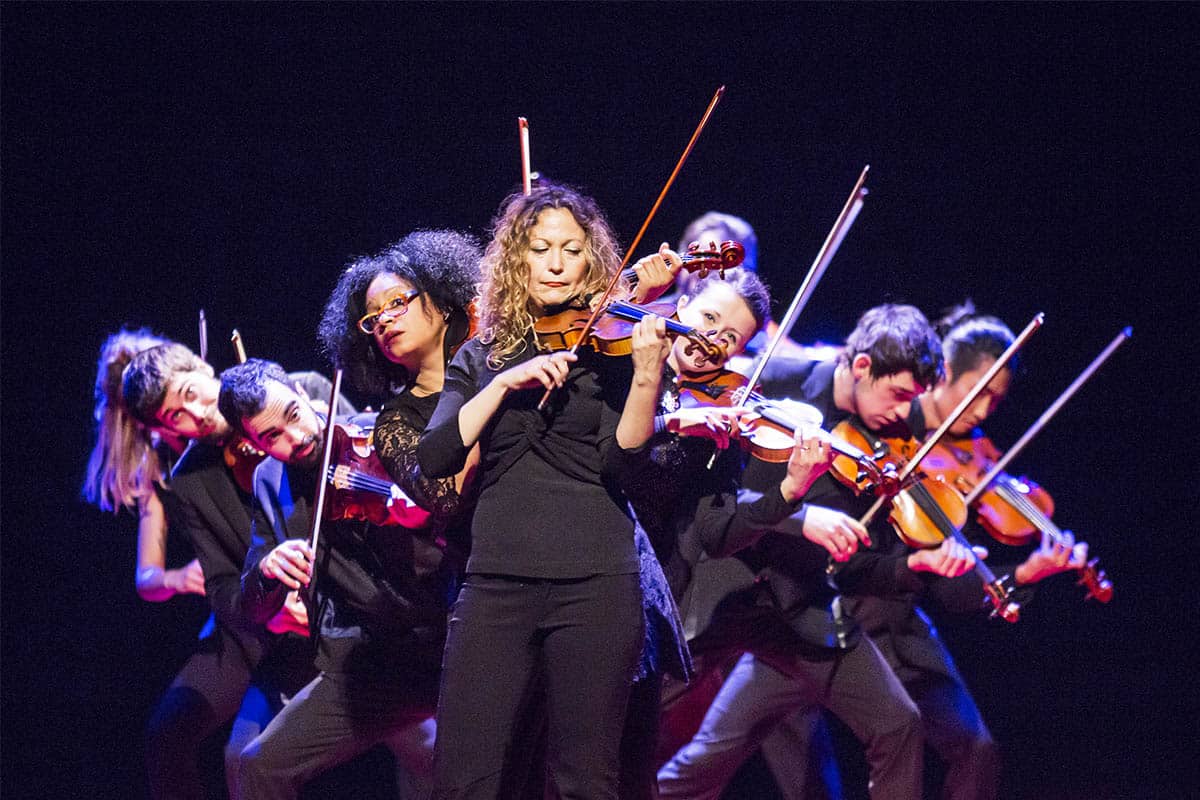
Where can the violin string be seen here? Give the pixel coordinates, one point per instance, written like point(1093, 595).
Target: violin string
point(1026, 508)
point(359, 480)
point(930, 506)
point(1038, 518)
point(370, 484)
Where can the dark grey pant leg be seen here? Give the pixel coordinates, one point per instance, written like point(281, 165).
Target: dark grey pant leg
point(329, 722)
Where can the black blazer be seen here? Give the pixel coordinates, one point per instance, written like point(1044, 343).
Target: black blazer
point(208, 506)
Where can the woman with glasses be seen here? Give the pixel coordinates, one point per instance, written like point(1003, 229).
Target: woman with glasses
point(392, 323)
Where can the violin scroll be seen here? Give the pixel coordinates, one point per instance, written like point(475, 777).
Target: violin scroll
point(1097, 584)
point(704, 260)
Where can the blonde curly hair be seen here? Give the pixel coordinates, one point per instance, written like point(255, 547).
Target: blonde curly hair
point(506, 317)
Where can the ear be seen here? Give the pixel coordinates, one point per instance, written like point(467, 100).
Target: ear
point(860, 367)
point(947, 376)
point(682, 302)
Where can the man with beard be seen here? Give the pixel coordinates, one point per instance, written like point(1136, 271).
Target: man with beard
point(382, 595)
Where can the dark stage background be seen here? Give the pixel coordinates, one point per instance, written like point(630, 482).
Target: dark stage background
point(160, 159)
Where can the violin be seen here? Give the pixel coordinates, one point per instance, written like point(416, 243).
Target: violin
point(925, 509)
point(770, 437)
point(581, 337)
point(612, 333)
point(363, 490)
point(704, 259)
point(1012, 510)
point(242, 457)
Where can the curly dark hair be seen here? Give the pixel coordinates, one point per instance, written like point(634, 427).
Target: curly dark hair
point(244, 389)
point(968, 337)
point(898, 338)
point(442, 264)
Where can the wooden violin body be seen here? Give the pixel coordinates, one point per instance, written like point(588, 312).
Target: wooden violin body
point(925, 510)
point(1014, 511)
point(964, 462)
point(242, 457)
point(611, 333)
point(362, 488)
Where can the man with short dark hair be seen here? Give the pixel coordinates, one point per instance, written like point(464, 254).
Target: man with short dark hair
point(382, 596)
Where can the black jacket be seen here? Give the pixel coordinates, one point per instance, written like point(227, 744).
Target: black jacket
point(382, 592)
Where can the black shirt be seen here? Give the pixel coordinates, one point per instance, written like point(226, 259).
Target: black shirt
point(549, 503)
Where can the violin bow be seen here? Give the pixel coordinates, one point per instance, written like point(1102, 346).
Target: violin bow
point(829, 248)
point(583, 334)
point(238, 346)
point(318, 509)
point(980, 385)
point(1046, 416)
point(526, 168)
point(203, 337)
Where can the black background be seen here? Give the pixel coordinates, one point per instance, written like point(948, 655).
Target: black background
point(160, 159)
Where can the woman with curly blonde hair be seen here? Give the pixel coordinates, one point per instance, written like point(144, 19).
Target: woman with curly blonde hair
point(552, 584)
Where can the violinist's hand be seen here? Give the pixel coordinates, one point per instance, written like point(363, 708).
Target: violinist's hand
point(810, 459)
point(949, 559)
point(836, 532)
point(655, 274)
point(292, 617)
point(548, 370)
point(720, 424)
point(289, 563)
point(1053, 555)
point(650, 350)
point(188, 579)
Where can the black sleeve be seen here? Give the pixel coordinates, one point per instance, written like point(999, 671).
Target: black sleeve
point(396, 443)
point(262, 597)
point(222, 576)
point(729, 518)
point(441, 452)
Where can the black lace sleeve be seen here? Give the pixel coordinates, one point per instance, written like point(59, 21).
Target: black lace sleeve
point(396, 440)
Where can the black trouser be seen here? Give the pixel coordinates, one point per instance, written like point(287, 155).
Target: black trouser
point(337, 717)
point(957, 733)
point(799, 756)
point(206, 693)
point(856, 685)
point(586, 635)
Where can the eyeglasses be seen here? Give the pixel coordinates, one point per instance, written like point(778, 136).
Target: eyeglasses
point(394, 307)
